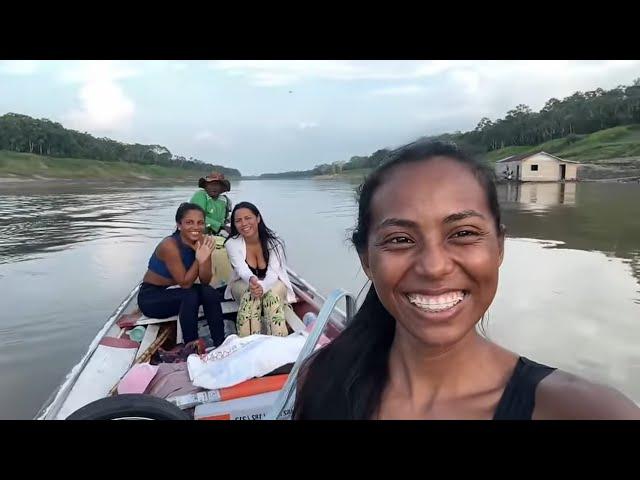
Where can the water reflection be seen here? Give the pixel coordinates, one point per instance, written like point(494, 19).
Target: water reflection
point(539, 196)
point(53, 220)
point(584, 216)
point(569, 308)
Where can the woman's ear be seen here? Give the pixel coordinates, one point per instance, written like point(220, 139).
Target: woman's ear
point(364, 261)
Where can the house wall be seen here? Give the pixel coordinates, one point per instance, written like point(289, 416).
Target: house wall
point(548, 169)
point(501, 168)
point(572, 171)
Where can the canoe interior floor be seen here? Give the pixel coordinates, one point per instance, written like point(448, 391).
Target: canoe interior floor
point(229, 312)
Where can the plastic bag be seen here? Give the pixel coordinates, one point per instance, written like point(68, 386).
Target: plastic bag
point(241, 358)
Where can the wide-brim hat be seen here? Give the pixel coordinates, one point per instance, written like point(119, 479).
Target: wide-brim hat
point(215, 177)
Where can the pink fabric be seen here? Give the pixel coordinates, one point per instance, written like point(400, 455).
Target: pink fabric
point(172, 380)
point(137, 378)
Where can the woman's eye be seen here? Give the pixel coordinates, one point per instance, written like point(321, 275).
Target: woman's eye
point(464, 233)
point(397, 240)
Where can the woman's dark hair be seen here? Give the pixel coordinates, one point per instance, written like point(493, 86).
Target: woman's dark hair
point(184, 208)
point(345, 379)
point(268, 238)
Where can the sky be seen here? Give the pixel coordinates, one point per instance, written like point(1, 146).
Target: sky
point(264, 116)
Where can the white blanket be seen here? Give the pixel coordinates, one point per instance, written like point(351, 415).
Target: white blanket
point(239, 359)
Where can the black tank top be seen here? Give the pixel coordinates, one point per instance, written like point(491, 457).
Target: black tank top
point(518, 399)
point(258, 272)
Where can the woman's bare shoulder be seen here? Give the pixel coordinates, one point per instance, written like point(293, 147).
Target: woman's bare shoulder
point(563, 396)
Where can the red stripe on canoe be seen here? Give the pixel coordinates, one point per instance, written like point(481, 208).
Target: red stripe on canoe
point(118, 342)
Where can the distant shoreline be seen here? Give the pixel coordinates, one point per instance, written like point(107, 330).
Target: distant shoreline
point(15, 180)
point(611, 170)
point(131, 178)
point(18, 167)
point(619, 169)
point(84, 180)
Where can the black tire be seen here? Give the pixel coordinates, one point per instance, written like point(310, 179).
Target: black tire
point(129, 406)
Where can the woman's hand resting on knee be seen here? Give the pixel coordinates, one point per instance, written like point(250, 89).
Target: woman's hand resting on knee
point(255, 288)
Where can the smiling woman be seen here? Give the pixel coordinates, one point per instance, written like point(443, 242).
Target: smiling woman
point(259, 281)
point(429, 237)
point(179, 260)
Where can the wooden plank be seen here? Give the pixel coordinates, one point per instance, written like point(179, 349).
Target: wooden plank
point(230, 307)
point(227, 307)
point(153, 321)
point(106, 367)
point(293, 320)
point(150, 334)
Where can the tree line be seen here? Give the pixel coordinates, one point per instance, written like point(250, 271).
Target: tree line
point(21, 133)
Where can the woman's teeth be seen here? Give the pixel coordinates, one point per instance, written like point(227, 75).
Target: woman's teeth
point(436, 303)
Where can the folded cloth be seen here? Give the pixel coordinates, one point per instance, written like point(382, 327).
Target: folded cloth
point(171, 380)
point(137, 379)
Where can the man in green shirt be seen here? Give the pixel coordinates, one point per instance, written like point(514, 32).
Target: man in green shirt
point(215, 205)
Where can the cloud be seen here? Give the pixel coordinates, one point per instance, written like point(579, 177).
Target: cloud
point(307, 125)
point(210, 138)
point(18, 67)
point(486, 83)
point(287, 72)
point(155, 67)
point(492, 88)
point(179, 66)
point(104, 105)
point(467, 80)
point(460, 95)
point(282, 72)
point(399, 90)
point(88, 71)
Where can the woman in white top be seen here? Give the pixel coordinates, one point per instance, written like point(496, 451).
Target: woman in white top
point(259, 281)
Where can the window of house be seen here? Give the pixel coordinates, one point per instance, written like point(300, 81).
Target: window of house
point(534, 168)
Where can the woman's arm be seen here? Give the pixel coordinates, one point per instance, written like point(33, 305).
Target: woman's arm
point(237, 260)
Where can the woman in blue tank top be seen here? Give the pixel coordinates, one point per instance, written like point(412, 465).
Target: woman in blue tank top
point(179, 260)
